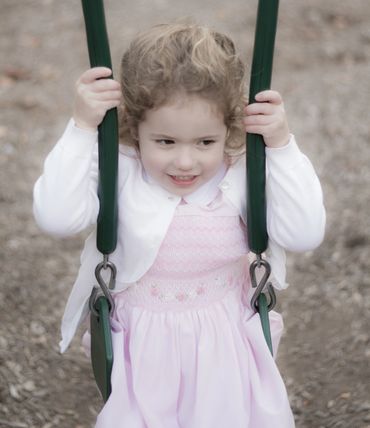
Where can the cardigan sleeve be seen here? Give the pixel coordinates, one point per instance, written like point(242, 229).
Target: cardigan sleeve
point(295, 210)
point(65, 197)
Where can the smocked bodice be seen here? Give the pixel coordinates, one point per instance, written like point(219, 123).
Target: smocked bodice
point(202, 256)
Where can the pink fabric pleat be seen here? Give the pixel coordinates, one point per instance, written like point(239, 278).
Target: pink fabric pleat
point(203, 368)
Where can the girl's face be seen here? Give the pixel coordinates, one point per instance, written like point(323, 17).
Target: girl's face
point(182, 143)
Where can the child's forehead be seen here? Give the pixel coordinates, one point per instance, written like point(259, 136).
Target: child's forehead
point(185, 118)
point(184, 101)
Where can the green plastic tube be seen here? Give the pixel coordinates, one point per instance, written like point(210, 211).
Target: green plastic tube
point(99, 54)
point(261, 73)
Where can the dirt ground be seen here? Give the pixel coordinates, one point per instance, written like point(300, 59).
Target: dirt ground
point(322, 68)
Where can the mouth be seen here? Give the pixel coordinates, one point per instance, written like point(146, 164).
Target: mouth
point(183, 180)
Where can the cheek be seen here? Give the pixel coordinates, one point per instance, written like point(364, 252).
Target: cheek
point(152, 162)
point(213, 164)
point(218, 158)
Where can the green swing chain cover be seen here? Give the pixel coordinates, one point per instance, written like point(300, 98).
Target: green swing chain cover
point(99, 54)
point(101, 336)
point(260, 80)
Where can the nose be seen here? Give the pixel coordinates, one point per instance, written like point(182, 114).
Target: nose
point(184, 159)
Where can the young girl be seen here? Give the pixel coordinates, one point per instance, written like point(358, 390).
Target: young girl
point(189, 351)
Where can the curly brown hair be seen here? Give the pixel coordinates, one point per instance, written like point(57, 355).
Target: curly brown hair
point(173, 59)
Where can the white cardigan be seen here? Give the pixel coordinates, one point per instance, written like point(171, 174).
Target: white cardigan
point(66, 202)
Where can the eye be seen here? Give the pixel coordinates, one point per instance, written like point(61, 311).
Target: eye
point(164, 142)
point(205, 143)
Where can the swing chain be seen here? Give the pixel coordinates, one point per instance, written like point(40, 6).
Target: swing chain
point(263, 283)
point(104, 288)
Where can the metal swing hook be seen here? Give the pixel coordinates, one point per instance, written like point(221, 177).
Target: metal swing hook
point(104, 288)
point(260, 286)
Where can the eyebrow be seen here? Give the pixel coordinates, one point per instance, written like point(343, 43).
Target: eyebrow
point(168, 137)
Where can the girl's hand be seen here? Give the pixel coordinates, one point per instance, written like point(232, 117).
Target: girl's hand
point(94, 96)
point(267, 117)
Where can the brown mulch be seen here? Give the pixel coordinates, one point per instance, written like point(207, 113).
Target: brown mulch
point(322, 68)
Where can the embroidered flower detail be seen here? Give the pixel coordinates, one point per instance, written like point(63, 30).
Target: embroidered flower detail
point(200, 290)
point(181, 297)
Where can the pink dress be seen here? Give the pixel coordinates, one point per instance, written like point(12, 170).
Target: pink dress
point(188, 350)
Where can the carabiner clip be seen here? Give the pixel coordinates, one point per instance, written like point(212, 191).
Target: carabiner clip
point(105, 264)
point(260, 286)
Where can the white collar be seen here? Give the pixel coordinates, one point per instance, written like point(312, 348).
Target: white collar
point(206, 193)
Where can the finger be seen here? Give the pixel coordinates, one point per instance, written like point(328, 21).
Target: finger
point(253, 130)
point(264, 130)
point(111, 104)
point(105, 85)
point(101, 107)
point(259, 108)
point(95, 73)
point(259, 120)
point(269, 96)
point(107, 96)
